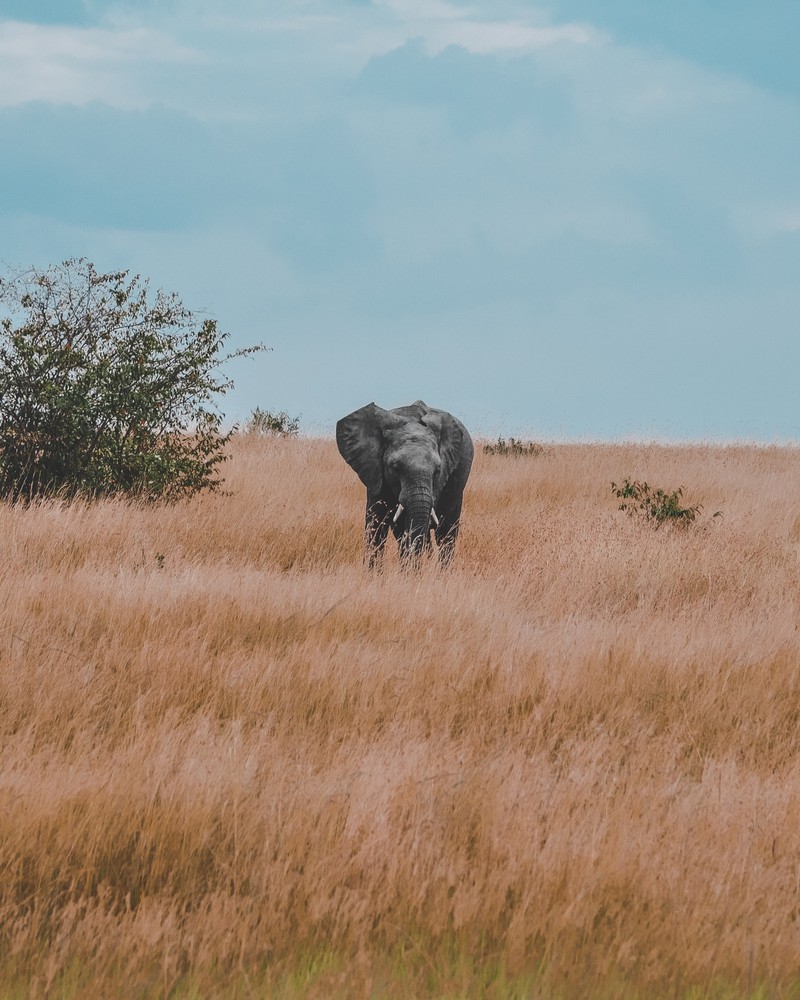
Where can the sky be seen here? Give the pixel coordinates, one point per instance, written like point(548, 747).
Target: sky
point(556, 219)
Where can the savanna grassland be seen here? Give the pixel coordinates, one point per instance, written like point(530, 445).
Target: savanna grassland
point(234, 763)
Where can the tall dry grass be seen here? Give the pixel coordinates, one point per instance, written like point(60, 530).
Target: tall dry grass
point(226, 746)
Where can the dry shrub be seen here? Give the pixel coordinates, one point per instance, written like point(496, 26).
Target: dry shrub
point(227, 748)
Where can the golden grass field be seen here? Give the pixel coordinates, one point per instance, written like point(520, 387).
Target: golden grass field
point(234, 763)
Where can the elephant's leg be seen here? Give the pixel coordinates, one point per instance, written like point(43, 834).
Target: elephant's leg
point(377, 523)
point(449, 514)
point(446, 535)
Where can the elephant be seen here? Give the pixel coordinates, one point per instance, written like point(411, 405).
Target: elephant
point(414, 461)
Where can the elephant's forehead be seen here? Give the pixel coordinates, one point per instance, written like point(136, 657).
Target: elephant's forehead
point(413, 434)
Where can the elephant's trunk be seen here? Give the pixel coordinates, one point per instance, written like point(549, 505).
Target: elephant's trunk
point(417, 501)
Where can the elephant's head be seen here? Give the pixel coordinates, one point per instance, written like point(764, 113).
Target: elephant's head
point(404, 457)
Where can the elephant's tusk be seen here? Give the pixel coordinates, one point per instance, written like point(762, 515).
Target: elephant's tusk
point(397, 513)
point(434, 517)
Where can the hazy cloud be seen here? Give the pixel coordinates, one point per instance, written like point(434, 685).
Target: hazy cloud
point(478, 92)
point(577, 221)
point(70, 65)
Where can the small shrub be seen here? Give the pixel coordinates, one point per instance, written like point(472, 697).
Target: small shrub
point(268, 422)
point(656, 505)
point(514, 449)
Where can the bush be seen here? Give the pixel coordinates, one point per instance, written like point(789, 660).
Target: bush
point(105, 389)
point(268, 422)
point(655, 504)
point(514, 448)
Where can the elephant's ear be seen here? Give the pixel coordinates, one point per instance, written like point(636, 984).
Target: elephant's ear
point(455, 444)
point(360, 440)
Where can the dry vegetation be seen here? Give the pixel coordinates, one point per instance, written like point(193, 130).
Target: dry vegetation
point(234, 763)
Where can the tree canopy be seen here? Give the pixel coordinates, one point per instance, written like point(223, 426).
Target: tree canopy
point(106, 388)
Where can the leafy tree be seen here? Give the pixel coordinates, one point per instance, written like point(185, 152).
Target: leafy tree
point(106, 389)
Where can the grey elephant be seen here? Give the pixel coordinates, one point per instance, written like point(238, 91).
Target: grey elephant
point(414, 461)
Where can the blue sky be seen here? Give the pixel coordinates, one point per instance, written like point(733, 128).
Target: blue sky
point(561, 219)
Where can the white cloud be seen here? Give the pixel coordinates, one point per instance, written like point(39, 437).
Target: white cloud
point(425, 10)
point(237, 25)
point(66, 65)
point(441, 24)
point(485, 37)
point(132, 62)
point(376, 29)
